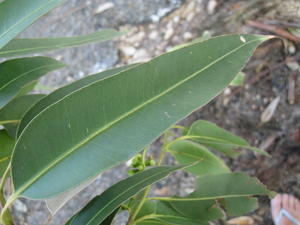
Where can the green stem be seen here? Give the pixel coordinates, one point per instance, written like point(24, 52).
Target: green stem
point(6, 217)
point(8, 121)
point(137, 207)
point(142, 197)
point(2, 183)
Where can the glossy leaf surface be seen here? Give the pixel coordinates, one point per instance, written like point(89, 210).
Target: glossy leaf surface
point(62, 92)
point(31, 46)
point(15, 110)
point(188, 152)
point(103, 205)
point(16, 15)
point(215, 137)
point(17, 73)
point(122, 114)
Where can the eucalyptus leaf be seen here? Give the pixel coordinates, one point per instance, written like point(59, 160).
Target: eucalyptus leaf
point(215, 137)
point(109, 121)
point(219, 186)
point(6, 147)
point(186, 151)
point(31, 46)
point(239, 206)
point(16, 15)
point(162, 212)
point(26, 88)
point(64, 91)
point(17, 75)
point(15, 110)
point(103, 205)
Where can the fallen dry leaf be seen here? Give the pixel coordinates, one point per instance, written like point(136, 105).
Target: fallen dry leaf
point(267, 115)
point(243, 220)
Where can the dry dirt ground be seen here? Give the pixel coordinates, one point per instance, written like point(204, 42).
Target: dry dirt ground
point(156, 26)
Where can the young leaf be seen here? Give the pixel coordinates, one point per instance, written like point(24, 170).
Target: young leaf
point(64, 91)
point(204, 210)
point(109, 121)
point(103, 205)
point(214, 187)
point(31, 46)
point(16, 73)
point(239, 206)
point(162, 212)
point(15, 110)
point(227, 185)
point(186, 151)
point(210, 135)
point(6, 147)
point(16, 15)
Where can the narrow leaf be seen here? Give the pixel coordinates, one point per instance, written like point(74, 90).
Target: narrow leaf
point(15, 110)
point(239, 206)
point(119, 114)
point(210, 135)
point(16, 73)
point(31, 46)
point(188, 152)
point(26, 88)
point(103, 205)
point(62, 92)
point(16, 15)
point(6, 147)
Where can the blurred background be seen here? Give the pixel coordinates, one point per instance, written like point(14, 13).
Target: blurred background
point(265, 110)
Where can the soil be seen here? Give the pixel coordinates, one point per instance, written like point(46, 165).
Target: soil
point(157, 26)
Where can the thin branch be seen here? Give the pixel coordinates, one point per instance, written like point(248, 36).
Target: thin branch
point(274, 29)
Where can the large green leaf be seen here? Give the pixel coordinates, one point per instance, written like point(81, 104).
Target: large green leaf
point(62, 92)
point(15, 110)
point(109, 121)
point(188, 152)
point(30, 46)
point(103, 205)
point(210, 135)
point(17, 73)
point(6, 147)
point(16, 15)
point(162, 212)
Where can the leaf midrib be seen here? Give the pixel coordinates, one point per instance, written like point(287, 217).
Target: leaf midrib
point(63, 156)
point(24, 18)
